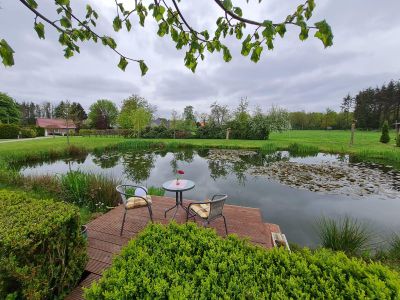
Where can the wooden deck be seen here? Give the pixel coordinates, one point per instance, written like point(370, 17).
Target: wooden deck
point(105, 241)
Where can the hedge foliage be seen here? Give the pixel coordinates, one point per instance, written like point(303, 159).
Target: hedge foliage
point(9, 131)
point(42, 251)
point(188, 262)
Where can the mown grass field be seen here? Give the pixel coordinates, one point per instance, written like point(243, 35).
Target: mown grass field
point(366, 144)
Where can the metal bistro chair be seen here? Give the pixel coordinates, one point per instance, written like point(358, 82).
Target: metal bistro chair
point(132, 197)
point(208, 210)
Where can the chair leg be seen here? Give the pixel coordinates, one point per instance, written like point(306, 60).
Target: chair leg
point(123, 222)
point(226, 228)
point(151, 213)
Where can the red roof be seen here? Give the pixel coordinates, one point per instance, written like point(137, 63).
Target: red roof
point(55, 123)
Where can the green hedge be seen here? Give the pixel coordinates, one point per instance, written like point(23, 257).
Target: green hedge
point(28, 133)
point(9, 131)
point(188, 262)
point(42, 250)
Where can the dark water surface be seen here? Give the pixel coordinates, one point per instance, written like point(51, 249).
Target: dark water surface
point(295, 210)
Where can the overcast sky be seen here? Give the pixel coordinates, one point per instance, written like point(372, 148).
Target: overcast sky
point(295, 75)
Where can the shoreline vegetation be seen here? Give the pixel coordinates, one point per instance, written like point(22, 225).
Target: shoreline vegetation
point(366, 148)
point(83, 189)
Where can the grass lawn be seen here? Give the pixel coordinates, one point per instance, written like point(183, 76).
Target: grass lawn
point(366, 144)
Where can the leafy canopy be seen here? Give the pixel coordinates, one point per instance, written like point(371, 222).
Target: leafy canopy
point(103, 114)
point(136, 113)
point(254, 35)
point(9, 110)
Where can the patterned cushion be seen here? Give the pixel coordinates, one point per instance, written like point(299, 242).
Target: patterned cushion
point(202, 210)
point(135, 202)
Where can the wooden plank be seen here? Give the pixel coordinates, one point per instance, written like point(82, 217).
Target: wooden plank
point(100, 255)
point(95, 266)
point(89, 280)
point(103, 245)
point(102, 236)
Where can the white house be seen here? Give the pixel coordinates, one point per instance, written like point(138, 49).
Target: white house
point(55, 126)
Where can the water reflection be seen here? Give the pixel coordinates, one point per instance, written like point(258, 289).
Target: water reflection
point(227, 171)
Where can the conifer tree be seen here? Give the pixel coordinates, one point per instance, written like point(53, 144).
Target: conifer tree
point(385, 138)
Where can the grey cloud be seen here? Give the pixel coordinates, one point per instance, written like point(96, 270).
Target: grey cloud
point(296, 75)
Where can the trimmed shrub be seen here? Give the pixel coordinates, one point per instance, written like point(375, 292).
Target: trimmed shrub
point(385, 138)
point(39, 131)
point(188, 262)
point(9, 131)
point(42, 251)
point(28, 133)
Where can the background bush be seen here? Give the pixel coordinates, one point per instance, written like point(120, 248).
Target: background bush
point(9, 131)
point(28, 133)
point(188, 262)
point(42, 251)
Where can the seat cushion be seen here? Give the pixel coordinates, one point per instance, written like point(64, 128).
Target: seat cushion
point(135, 202)
point(202, 210)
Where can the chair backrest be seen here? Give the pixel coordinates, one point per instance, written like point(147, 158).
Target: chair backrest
point(217, 205)
point(126, 191)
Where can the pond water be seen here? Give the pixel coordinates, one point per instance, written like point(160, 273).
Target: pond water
point(290, 191)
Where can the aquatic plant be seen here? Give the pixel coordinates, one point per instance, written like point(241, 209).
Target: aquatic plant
point(156, 191)
point(345, 234)
point(394, 248)
point(296, 149)
point(96, 192)
point(268, 148)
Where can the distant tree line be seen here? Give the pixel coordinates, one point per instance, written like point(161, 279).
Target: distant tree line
point(373, 106)
point(330, 119)
point(370, 108)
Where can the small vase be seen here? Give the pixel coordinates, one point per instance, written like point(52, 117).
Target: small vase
point(177, 181)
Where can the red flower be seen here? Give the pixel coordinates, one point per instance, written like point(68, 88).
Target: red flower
point(180, 172)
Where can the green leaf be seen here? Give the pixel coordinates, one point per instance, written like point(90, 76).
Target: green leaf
point(39, 28)
point(281, 29)
point(227, 4)
point(143, 67)
point(163, 28)
point(32, 3)
point(303, 33)
point(62, 2)
point(246, 46)
point(324, 33)
point(6, 53)
point(117, 23)
point(238, 11)
point(128, 25)
point(255, 55)
point(269, 29)
point(68, 52)
point(158, 12)
point(122, 63)
point(65, 22)
point(205, 34)
point(174, 35)
point(226, 54)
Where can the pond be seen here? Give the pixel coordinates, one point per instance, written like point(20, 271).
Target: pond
point(291, 191)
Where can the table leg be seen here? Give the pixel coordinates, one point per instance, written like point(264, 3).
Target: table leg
point(176, 205)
